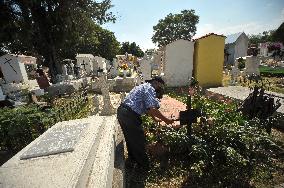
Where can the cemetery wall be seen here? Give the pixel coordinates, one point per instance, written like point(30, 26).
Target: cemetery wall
point(209, 59)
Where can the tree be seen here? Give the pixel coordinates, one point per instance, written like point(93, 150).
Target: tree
point(52, 28)
point(278, 35)
point(265, 36)
point(174, 27)
point(131, 48)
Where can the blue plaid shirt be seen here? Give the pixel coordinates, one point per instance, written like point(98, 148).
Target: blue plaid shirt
point(141, 98)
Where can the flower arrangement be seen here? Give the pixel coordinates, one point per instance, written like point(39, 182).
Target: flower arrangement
point(124, 66)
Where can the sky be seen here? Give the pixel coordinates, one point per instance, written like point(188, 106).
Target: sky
point(136, 18)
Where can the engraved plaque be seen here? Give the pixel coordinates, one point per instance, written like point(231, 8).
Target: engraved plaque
point(59, 140)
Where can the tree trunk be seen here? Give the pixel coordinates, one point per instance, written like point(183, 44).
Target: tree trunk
point(46, 44)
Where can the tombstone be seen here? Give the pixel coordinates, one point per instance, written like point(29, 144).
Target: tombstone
point(234, 73)
point(96, 104)
point(145, 67)
point(107, 106)
point(101, 63)
point(113, 72)
point(64, 71)
point(71, 69)
point(13, 67)
point(157, 62)
point(114, 63)
point(85, 61)
point(2, 96)
point(178, 63)
point(252, 65)
point(77, 71)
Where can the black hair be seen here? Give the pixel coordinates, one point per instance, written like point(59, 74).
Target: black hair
point(156, 78)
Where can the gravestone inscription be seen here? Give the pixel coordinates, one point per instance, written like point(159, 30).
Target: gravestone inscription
point(60, 140)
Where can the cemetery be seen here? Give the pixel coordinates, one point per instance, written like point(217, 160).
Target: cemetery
point(87, 99)
point(59, 105)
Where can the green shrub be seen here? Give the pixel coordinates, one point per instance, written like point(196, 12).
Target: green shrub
point(241, 64)
point(20, 126)
point(230, 152)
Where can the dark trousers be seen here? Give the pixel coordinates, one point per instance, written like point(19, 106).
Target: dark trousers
point(131, 125)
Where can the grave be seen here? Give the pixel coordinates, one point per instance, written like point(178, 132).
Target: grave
point(76, 153)
point(13, 67)
point(145, 67)
point(252, 65)
point(178, 63)
point(157, 63)
point(101, 64)
point(2, 96)
point(85, 62)
point(107, 106)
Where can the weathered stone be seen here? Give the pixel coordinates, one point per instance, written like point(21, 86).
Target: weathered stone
point(59, 140)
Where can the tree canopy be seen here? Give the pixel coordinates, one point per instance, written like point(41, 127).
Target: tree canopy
point(278, 35)
point(265, 36)
point(174, 27)
point(131, 48)
point(57, 29)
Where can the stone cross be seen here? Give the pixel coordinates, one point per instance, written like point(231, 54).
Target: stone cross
point(107, 109)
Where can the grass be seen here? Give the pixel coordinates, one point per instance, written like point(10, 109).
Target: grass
point(272, 70)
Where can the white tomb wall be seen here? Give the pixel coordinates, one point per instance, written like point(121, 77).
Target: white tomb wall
point(13, 69)
point(178, 63)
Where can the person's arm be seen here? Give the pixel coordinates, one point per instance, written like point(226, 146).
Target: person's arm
point(154, 112)
point(154, 118)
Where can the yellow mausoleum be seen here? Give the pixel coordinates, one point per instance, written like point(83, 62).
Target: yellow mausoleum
point(209, 60)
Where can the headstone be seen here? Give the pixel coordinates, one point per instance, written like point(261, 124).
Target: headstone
point(101, 63)
point(157, 62)
point(113, 72)
point(115, 63)
point(72, 69)
point(96, 104)
point(178, 63)
point(85, 62)
point(145, 67)
point(2, 96)
point(252, 65)
point(234, 73)
point(13, 67)
point(64, 71)
point(107, 106)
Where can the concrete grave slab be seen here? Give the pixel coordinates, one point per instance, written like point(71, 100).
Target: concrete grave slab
point(59, 140)
point(68, 169)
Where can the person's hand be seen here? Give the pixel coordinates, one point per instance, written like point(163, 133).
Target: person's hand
point(169, 121)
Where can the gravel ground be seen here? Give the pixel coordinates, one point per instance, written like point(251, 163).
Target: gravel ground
point(241, 93)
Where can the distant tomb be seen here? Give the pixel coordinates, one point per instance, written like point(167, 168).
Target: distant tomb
point(178, 62)
point(85, 62)
point(13, 67)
